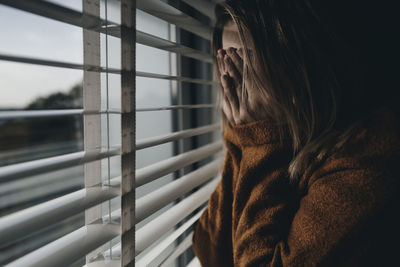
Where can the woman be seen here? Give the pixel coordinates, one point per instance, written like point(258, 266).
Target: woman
point(311, 127)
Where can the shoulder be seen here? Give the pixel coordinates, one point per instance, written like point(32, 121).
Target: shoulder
point(378, 137)
point(368, 161)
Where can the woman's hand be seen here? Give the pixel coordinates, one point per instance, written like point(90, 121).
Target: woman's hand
point(230, 63)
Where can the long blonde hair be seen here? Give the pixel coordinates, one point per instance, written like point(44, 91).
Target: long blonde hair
point(309, 75)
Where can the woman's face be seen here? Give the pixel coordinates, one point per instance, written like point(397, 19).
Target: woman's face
point(230, 36)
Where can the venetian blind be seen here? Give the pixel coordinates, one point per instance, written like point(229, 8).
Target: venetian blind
point(121, 214)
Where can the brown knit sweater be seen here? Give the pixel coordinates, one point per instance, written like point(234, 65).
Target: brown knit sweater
point(341, 213)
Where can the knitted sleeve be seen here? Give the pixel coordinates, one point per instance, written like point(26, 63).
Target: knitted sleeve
point(256, 218)
point(216, 229)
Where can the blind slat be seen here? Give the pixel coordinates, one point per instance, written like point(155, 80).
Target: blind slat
point(194, 263)
point(108, 263)
point(20, 114)
point(56, 12)
point(176, 78)
point(153, 230)
point(177, 107)
point(27, 221)
point(150, 203)
point(172, 15)
point(69, 248)
point(178, 250)
point(153, 141)
point(34, 167)
point(153, 41)
point(58, 64)
point(161, 168)
point(206, 7)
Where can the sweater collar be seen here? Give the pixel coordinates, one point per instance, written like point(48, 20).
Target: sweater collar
point(251, 134)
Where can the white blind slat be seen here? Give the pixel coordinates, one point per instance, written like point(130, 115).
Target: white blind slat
point(156, 42)
point(156, 170)
point(58, 64)
point(194, 263)
point(206, 7)
point(174, 78)
point(27, 221)
point(22, 170)
point(153, 141)
point(69, 248)
point(182, 247)
point(172, 15)
point(20, 114)
point(100, 263)
point(177, 107)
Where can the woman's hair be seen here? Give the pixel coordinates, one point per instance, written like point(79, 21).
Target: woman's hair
point(320, 67)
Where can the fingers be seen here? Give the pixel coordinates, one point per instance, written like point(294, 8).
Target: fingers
point(230, 65)
point(235, 76)
point(230, 93)
point(232, 70)
point(220, 60)
point(237, 60)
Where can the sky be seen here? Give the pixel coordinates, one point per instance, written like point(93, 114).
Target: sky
point(26, 34)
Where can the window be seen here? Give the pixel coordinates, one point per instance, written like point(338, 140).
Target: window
point(108, 131)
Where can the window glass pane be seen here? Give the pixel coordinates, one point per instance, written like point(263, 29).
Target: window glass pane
point(72, 4)
point(26, 86)
point(41, 88)
point(152, 59)
point(37, 37)
point(112, 50)
point(113, 11)
point(152, 25)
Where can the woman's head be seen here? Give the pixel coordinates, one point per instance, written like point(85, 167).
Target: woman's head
point(230, 36)
point(313, 64)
